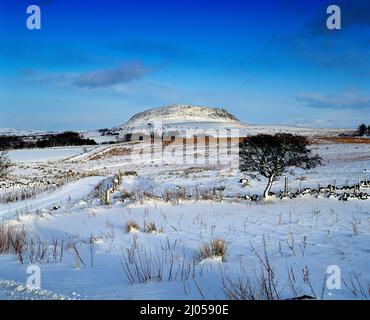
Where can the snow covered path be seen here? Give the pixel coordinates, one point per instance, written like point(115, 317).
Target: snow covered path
point(72, 191)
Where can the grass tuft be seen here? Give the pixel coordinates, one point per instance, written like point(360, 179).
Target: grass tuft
point(132, 226)
point(216, 248)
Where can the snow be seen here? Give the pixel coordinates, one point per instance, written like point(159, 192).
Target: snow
point(303, 236)
point(11, 290)
point(73, 191)
point(326, 224)
point(17, 132)
point(44, 155)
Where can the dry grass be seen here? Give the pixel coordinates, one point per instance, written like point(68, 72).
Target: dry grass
point(27, 246)
point(216, 248)
point(143, 266)
point(322, 140)
point(13, 240)
point(24, 193)
point(111, 152)
point(174, 197)
point(132, 226)
point(360, 288)
point(150, 227)
point(264, 284)
point(137, 196)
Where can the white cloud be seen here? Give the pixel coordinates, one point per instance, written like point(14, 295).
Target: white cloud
point(350, 99)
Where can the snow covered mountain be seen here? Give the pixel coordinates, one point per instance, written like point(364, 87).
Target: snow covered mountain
point(175, 117)
point(179, 113)
point(180, 117)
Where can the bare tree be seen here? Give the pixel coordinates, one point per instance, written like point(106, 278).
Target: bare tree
point(5, 164)
point(272, 155)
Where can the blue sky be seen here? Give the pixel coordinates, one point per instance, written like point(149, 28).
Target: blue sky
point(96, 63)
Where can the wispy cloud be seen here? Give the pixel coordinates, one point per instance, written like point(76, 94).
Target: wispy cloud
point(122, 74)
point(351, 99)
point(107, 77)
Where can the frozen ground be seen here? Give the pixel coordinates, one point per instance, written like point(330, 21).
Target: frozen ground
point(87, 253)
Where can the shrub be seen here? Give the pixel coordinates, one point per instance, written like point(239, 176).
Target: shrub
point(5, 164)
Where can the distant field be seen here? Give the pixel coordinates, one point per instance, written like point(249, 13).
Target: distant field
point(342, 140)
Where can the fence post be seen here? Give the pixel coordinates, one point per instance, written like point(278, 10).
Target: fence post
point(286, 186)
point(107, 197)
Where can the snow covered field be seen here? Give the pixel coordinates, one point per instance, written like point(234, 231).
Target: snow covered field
point(85, 252)
point(45, 155)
